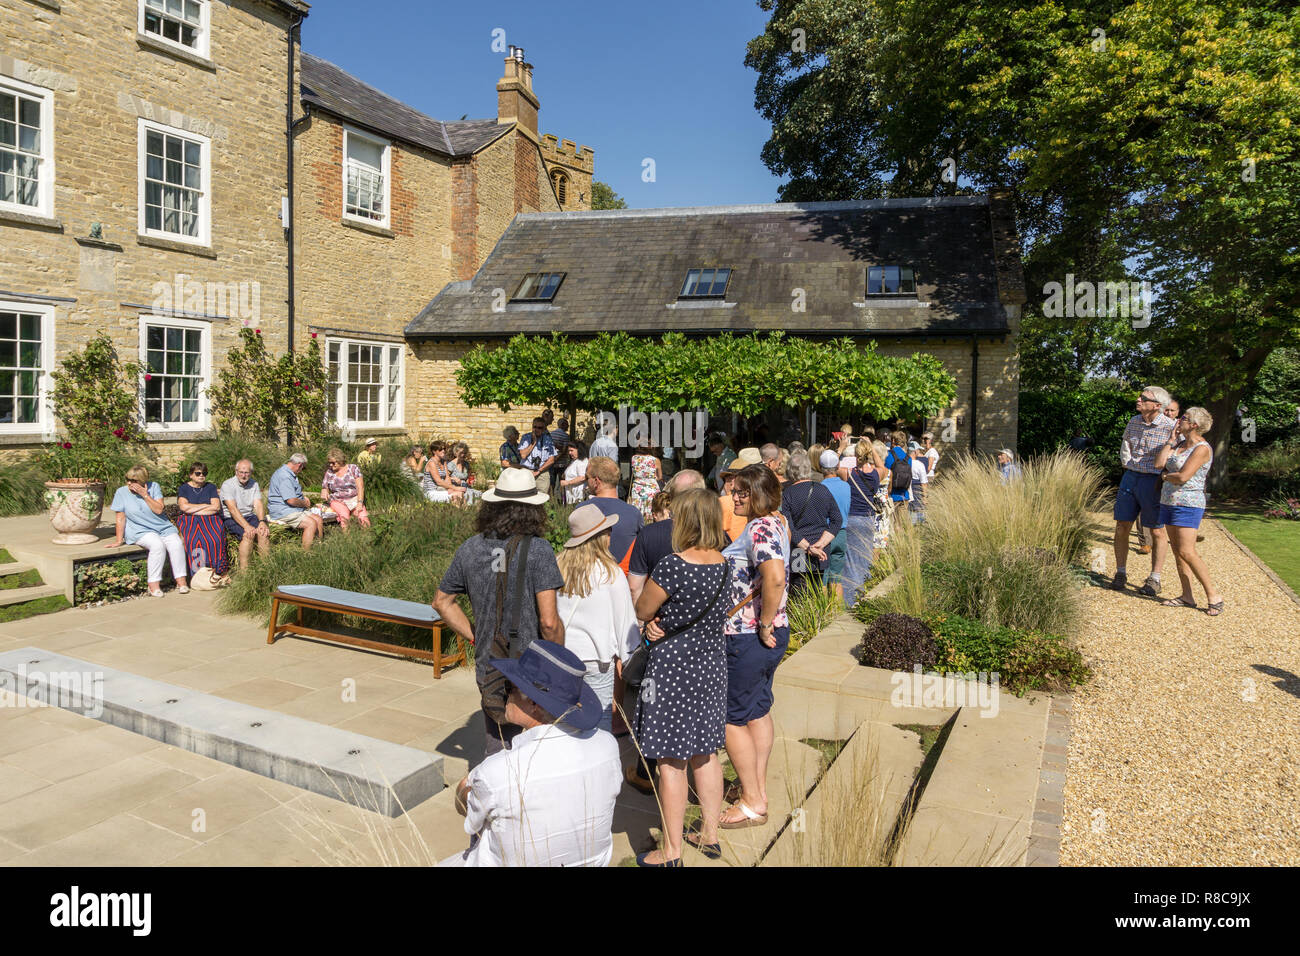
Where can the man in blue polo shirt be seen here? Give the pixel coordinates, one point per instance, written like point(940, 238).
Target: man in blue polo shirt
point(1139, 489)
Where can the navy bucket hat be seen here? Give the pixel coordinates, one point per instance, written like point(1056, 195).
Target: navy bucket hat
point(550, 675)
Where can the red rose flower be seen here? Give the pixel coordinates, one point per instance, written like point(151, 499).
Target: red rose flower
point(148, 377)
point(67, 446)
point(119, 432)
point(306, 388)
point(313, 335)
point(258, 331)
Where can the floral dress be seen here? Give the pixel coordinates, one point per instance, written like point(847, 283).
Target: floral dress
point(645, 485)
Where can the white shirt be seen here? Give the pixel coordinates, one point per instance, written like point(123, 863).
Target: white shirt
point(601, 626)
point(932, 453)
point(547, 801)
point(604, 447)
point(920, 470)
point(575, 493)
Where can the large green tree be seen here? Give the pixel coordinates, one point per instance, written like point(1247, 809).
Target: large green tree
point(1153, 140)
point(746, 374)
point(604, 197)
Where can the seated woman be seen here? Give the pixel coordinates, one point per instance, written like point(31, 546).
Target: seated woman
point(413, 465)
point(139, 507)
point(200, 522)
point(440, 487)
point(343, 490)
point(460, 470)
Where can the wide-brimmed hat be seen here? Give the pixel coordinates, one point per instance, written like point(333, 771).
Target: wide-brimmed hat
point(587, 522)
point(517, 484)
point(551, 676)
point(746, 457)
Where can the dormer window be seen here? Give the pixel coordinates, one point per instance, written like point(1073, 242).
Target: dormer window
point(538, 287)
point(705, 284)
point(181, 22)
point(890, 280)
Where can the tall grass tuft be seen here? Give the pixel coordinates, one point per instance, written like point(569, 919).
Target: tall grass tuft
point(22, 490)
point(810, 609)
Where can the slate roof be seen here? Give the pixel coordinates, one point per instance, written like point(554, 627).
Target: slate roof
point(624, 269)
point(326, 87)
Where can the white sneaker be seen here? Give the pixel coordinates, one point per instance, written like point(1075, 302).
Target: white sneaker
point(182, 590)
point(155, 594)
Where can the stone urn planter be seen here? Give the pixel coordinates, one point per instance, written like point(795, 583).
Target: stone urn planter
point(75, 507)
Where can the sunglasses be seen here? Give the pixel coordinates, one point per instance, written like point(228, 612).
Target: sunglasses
point(199, 474)
point(740, 494)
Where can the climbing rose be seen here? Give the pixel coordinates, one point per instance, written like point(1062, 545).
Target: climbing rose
point(67, 446)
point(258, 331)
point(148, 377)
point(313, 335)
point(119, 432)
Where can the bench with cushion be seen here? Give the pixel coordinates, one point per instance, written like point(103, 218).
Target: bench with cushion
point(355, 604)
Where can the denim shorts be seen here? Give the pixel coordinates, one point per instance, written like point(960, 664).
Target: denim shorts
point(1139, 493)
point(1181, 516)
point(750, 669)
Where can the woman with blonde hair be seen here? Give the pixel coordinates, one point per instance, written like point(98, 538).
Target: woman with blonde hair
point(139, 507)
point(682, 708)
point(343, 490)
point(595, 604)
point(1186, 459)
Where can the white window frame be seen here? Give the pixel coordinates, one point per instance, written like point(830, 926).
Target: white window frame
point(205, 377)
point(387, 147)
point(201, 48)
point(204, 238)
point(44, 424)
point(45, 191)
point(341, 391)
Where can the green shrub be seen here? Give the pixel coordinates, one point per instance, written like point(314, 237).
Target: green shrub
point(898, 642)
point(386, 486)
point(110, 580)
point(264, 397)
point(1023, 660)
point(1048, 420)
point(22, 490)
point(1272, 471)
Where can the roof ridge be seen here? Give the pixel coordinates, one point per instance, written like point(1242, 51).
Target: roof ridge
point(850, 205)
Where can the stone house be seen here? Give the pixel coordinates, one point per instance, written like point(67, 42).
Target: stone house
point(146, 191)
point(939, 275)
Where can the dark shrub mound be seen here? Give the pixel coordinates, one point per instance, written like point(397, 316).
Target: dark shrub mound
point(897, 642)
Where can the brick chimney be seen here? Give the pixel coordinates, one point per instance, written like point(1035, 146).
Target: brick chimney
point(516, 102)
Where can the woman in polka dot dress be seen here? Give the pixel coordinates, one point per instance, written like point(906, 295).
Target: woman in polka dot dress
point(682, 708)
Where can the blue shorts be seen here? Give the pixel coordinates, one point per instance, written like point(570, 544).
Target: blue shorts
point(1139, 494)
point(235, 528)
point(750, 670)
point(1181, 516)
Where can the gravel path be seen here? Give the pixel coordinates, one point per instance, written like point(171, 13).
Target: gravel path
point(1185, 746)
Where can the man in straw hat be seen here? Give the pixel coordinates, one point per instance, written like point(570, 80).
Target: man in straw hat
point(509, 572)
point(549, 799)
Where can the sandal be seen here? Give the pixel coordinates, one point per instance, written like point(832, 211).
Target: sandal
point(752, 819)
point(711, 851)
point(1215, 608)
point(1177, 602)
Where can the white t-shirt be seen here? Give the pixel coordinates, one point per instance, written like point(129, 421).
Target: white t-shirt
point(920, 474)
point(575, 493)
point(932, 454)
point(601, 626)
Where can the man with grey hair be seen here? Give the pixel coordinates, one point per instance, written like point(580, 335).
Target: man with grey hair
point(288, 503)
point(244, 513)
point(771, 455)
point(1139, 489)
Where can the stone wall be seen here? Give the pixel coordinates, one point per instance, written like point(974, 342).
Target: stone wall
point(105, 76)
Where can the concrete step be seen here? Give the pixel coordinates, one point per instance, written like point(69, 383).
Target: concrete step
point(14, 567)
point(848, 818)
point(23, 595)
point(368, 773)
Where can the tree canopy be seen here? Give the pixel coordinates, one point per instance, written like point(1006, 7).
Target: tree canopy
point(1147, 140)
point(603, 197)
point(735, 373)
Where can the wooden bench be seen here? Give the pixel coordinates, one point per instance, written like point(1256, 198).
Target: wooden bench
point(355, 604)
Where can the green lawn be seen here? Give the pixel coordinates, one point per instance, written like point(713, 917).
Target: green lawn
point(1275, 541)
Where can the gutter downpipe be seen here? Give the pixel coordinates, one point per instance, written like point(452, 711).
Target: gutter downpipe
point(974, 386)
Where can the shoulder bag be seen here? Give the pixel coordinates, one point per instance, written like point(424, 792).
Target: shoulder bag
point(505, 641)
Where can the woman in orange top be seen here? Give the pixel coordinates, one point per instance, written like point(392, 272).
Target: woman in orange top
point(732, 523)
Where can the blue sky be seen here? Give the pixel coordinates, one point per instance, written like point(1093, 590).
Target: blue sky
point(663, 79)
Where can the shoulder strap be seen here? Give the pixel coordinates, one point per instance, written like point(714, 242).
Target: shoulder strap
point(521, 572)
point(798, 518)
point(722, 586)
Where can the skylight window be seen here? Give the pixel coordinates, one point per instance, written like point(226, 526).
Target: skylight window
point(538, 287)
point(890, 280)
point(705, 284)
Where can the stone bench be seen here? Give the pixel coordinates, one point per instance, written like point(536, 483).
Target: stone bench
point(355, 604)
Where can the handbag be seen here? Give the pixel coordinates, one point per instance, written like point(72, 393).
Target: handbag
point(635, 667)
point(505, 641)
